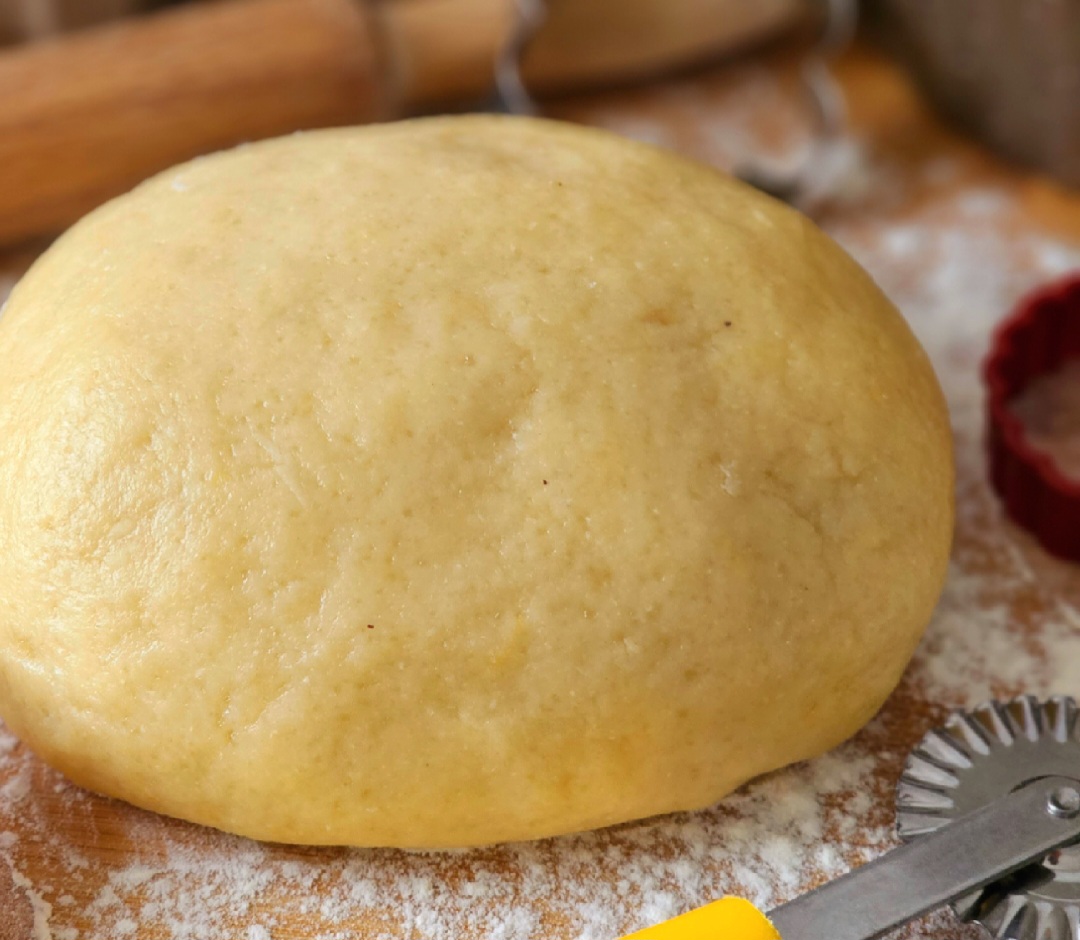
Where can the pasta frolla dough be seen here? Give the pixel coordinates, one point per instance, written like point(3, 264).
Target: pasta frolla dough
point(455, 481)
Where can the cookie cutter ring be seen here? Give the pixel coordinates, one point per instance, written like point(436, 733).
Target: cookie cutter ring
point(1039, 337)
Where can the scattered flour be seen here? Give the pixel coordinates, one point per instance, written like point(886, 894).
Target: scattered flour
point(42, 908)
point(1008, 622)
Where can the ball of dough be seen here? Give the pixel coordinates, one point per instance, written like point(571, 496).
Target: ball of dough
point(455, 481)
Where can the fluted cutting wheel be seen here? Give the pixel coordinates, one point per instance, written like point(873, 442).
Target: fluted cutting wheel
point(975, 758)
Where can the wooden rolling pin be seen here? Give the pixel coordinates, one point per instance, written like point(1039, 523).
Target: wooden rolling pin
point(84, 117)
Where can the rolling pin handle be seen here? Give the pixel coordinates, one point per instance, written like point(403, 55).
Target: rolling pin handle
point(84, 117)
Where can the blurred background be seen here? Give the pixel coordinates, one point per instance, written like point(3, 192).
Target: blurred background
point(98, 94)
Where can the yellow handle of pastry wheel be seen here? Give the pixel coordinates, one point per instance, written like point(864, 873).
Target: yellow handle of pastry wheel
point(726, 919)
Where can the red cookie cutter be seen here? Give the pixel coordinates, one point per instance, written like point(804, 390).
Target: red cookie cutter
point(1040, 336)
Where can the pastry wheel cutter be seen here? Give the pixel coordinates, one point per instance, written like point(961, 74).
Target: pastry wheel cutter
point(988, 809)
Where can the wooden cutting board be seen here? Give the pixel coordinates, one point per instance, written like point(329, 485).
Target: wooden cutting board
point(954, 236)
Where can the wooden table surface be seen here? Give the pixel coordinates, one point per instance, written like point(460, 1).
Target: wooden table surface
point(954, 235)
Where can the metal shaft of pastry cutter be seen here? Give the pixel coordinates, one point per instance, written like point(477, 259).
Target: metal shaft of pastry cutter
point(964, 856)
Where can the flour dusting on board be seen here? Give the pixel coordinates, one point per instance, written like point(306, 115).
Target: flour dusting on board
point(1008, 622)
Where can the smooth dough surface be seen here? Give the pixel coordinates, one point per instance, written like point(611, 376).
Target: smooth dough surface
point(455, 481)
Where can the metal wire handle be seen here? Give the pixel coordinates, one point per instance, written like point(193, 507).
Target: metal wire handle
point(809, 183)
point(511, 95)
point(824, 99)
point(822, 91)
